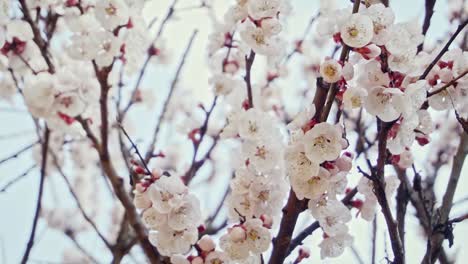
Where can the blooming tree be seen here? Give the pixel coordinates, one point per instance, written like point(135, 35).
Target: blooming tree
point(363, 134)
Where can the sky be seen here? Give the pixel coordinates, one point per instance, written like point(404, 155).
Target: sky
point(17, 205)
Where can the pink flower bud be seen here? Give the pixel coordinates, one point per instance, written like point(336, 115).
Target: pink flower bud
point(344, 163)
point(206, 243)
point(267, 220)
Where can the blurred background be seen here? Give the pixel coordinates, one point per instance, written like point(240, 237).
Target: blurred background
point(17, 204)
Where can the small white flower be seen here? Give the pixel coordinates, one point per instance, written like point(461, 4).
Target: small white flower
point(109, 47)
point(312, 185)
point(167, 193)
point(385, 103)
point(371, 75)
point(259, 41)
point(331, 70)
point(263, 8)
point(332, 247)
point(255, 124)
point(322, 143)
point(257, 236)
point(354, 97)
point(382, 18)
point(263, 155)
point(112, 13)
point(357, 31)
point(154, 219)
point(223, 84)
point(170, 242)
point(39, 92)
point(271, 26)
point(187, 215)
point(331, 214)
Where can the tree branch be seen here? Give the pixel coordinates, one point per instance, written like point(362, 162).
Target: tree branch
point(443, 211)
point(248, 70)
point(44, 152)
point(429, 7)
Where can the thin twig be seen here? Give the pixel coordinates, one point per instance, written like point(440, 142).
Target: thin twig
point(452, 82)
point(160, 118)
point(444, 49)
point(44, 152)
point(78, 203)
point(19, 152)
point(162, 26)
point(134, 146)
point(196, 145)
point(18, 178)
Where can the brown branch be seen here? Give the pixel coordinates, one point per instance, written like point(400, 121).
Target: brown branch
point(149, 153)
point(452, 82)
point(122, 195)
point(443, 211)
point(196, 146)
point(429, 7)
point(249, 60)
point(37, 35)
point(44, 152)
point(282, 241)
point(109, 170)
point(378, 178)
point(444, 49)
point(402, 199)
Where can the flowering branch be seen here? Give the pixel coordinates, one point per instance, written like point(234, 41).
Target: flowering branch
point(444, 49)
point(452, 82)
point(37, 35)
point(333, 88)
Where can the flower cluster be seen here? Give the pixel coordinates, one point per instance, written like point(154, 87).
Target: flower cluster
point(170, 212)
point(258, 187)
point(317, 173)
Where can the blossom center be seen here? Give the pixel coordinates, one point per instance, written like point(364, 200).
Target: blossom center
point(253, 235)
point(353, 32)
point(111, 10)
point(261, 152)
